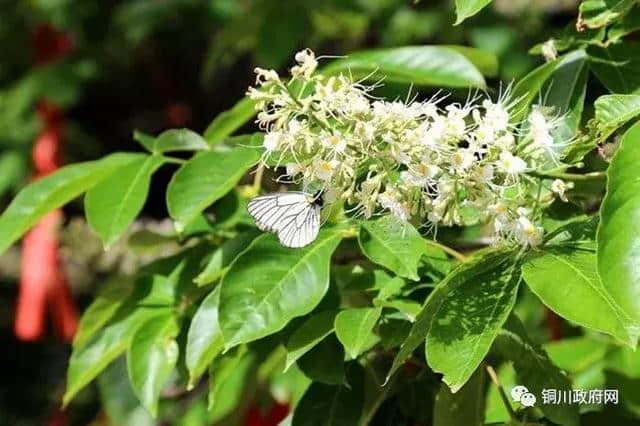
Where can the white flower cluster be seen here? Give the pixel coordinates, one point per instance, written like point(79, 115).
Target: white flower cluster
point(452, 165)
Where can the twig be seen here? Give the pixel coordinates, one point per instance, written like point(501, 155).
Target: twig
point(503, 395)
point(573, 177)
point(257, 178)
point(453, 253)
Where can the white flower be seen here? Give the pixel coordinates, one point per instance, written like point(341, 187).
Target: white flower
point(559, 187)
point(496, 115)
point(272, 140)
point(266, 76)
point(484, 174)
point(527, 233)
point(506, 142)
point(462, 159)
point(307, 63)
point(293, 169)
point(389, 200)
point(323, 169)
point(420, 174)
point(334, 142)
point(511, 164)
point(549, 51)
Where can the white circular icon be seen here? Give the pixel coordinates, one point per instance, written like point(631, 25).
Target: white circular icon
point(528, 399)
point(518, 391)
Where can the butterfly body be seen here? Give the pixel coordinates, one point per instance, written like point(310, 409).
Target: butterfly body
point(293, 216)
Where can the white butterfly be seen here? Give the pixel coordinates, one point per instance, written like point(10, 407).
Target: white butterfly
point(293, 216)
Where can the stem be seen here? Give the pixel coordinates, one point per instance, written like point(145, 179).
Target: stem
point(503, 395)
point(453, 253)
point(257, 179)
point(574, 177)
point(371, 412)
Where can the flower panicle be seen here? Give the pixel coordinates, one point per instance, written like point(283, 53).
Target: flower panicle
point(453, 164)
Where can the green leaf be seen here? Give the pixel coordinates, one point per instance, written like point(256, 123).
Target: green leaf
point(565, 91)
point(228, 382)
point(392, 244)
point(565, 81)
point(495, 411)
point(54, 190)
point(468, 314)
point(618, 250)
point(117, 398)
point(308, 335)
point(628, 24)
point(113, 204)
point(468, 8)
point(13, 166)
point(268, 285)
point(615, 67)
point(599, 13)
point(622, 360)
point(151, 357)
point(326, 405)
point(204, 179)
point(172, 140)
point(576, 354)
point(152, 298)
point(535, 371)
point(229, 121)
point(423, 65)
point(223, 256)
point(613, 111)
point(324, 362)
point(111, 296)
point(204, 340)
point(354, 328)
point(479, 272)
point(576, 269)
point(465, 407)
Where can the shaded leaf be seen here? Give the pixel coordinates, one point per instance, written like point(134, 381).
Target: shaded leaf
point(422, 65)
point(613, 111)
point(229, 121)
point(618, 250)
point(324, 362)
point(615, 67)
point(227, 382)
point(204, 179)
point(327, 405)
point(598, 13)
point(54, 190)
point(468, 8)
point(308, 335)
point(222, 257)
point(354, 329)
point(113, 204)
point(204, 340)
point(152, 298)
point(473, 272)
point(172, 140)
point(535, 371)
point(268, 285)
point(465, 407)
point(392, 244)
point(576, 269)
point(151, 358)
point(111, 296)
point(468, 315)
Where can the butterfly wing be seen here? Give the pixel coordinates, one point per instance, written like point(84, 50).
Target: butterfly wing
point(291, 215)
point(301, 229)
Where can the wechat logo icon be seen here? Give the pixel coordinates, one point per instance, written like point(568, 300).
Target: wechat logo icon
point(522, 395)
